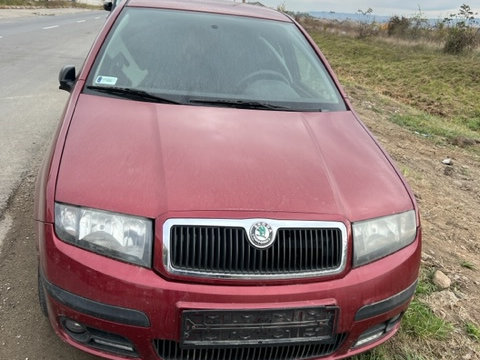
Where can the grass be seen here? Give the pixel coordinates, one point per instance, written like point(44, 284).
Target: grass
point(428, 125)
point(53, 4)
point(443, 88)
point(421, 322)
point(473, 331)
point(425, 285)
point(468, 265)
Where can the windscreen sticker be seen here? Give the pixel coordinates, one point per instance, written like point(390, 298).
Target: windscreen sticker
point(106, 80)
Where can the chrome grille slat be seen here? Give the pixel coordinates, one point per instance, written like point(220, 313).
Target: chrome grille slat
point(311, 252)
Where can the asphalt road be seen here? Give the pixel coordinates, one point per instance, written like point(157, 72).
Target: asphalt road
point(32, 51)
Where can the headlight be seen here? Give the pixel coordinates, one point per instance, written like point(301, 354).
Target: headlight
point(122, 237)
point(377, 238)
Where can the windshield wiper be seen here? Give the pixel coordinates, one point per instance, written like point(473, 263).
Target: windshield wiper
point(243, 104)
point(133, 94)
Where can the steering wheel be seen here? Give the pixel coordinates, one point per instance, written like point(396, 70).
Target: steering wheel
point(263, 74)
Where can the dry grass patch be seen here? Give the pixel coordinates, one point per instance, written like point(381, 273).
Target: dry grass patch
point(443, 88)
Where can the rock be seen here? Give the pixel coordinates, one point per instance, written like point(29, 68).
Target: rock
point(441, 280)
point(447, 161)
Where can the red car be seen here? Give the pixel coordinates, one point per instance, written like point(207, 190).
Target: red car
point(211, 194)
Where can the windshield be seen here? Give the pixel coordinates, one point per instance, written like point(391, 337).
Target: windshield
point(212, 60)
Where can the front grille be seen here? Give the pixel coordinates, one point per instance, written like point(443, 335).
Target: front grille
point(170, 350)
point(227, 250)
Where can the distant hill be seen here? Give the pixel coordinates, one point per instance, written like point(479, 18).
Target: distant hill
point(330, 15)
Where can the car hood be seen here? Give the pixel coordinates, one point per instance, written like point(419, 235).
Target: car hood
point(151, 159)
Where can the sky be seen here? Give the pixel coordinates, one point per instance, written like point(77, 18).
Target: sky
point(431, 8)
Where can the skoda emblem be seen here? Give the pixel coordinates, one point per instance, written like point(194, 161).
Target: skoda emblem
point(261, 235)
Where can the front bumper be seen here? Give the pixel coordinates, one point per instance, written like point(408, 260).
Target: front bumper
point(140, 312)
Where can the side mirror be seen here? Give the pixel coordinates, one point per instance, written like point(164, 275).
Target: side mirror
point(66, 78)
point(108, 6)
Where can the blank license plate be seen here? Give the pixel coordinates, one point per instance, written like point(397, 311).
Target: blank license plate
point(209, 328)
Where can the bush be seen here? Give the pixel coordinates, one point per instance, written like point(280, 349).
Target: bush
point(411, 28)
point(398, 26)
point(461, 33)
point(460, 39)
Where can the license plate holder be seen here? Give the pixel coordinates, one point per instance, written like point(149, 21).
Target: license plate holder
point(222, 328)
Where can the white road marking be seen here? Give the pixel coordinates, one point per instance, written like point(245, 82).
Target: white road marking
point(1, 37)
point(98, 17)
point(80, 21)
point(5, 226)
point(50, 27)
point(23, 97)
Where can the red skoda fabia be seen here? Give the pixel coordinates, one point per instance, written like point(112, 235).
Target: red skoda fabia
point(211, 194)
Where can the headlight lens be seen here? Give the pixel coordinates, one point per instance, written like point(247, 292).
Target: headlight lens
point(377, 238)
point(122, 237)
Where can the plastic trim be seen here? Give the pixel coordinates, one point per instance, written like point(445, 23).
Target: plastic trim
point(96, 309)
point(386, 305)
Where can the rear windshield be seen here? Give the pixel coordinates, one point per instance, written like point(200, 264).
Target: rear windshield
point(194, 58)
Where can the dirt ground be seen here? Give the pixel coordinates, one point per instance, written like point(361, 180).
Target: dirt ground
point(448, 196)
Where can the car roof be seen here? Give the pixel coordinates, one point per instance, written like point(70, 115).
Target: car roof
point(213, 6)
